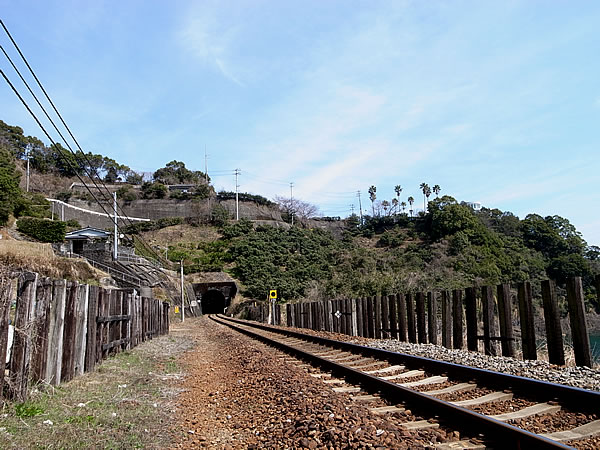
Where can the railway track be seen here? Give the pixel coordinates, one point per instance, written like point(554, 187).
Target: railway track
point(493, 409)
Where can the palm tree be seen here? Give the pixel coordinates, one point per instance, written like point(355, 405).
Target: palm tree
point(373, 196)
point(403, 204)
point(411, 200)
point(427, 194)
point(395, 204)
point(436, 190)
point(398, 190)
point(385, 204)
point(424, 187)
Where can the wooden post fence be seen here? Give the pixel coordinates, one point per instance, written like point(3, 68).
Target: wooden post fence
point(63, 329)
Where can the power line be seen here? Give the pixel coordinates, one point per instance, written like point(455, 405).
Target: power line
point(50, 138)
point(63, 138)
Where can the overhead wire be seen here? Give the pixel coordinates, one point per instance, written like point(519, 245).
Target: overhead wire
point(123, 216)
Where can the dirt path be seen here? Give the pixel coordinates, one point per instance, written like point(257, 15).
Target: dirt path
point(238, 394)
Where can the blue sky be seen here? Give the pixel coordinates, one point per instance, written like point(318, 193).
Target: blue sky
point(497, 102)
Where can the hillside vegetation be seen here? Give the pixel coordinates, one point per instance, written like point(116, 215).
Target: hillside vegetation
point(449, 246)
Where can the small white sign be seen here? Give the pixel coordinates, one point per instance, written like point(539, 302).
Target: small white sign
point(193, 303)
point(338, 314)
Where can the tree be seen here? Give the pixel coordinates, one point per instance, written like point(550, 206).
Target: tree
point(436, 190)
point(398, 190)
point(427, 194)
point(10, 192)
point(373, 197)
point(385, 205)
point(175, 172)
point(153, 190)
point(65, 162)
point(395, 204)
point(297, 207)
point(424, 187)
point(134, 177)
point(403, 205)
point(411, 200)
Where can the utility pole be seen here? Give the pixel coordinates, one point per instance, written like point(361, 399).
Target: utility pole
point(359, 206)
point(27, 151)
point(292, 201)
point(237, 203)
point(206, 177)
point(182, 304)
point(116, 237)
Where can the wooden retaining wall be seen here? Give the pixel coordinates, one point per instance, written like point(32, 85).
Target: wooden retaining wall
point(62, 329)
point(485, 313)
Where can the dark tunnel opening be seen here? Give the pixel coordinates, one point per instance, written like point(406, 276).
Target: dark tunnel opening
point(213, 302)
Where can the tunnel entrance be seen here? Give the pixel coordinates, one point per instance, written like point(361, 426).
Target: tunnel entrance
point(213, 302)
point(214, 291)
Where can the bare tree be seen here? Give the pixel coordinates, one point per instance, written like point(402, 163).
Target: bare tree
point(300, 209)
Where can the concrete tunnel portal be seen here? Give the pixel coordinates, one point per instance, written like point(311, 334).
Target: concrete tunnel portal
point(214, 297)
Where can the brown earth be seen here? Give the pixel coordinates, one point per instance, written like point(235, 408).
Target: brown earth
point(239, 394)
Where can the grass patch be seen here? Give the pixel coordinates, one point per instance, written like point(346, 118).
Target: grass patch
point(125, 403)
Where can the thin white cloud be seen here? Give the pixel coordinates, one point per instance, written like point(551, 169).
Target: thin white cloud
point(209, 40)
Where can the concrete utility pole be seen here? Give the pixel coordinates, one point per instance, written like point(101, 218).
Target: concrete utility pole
point(237, 203)
point(27, 151)
point(116, 237)
point(292, 201)
point(359, 206)
point(182, 304)
point(207, 185)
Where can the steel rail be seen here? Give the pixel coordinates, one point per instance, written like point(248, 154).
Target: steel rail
point(454, 416)
point(580, 400)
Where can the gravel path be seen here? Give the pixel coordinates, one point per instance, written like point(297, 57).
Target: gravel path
point(239, 394)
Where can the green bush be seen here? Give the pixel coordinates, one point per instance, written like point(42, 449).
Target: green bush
point(42, 229)
point(72, 223)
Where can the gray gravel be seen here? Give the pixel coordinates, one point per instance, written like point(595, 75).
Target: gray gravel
point(581, 377)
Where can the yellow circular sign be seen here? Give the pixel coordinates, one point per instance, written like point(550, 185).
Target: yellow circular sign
point(273, 293)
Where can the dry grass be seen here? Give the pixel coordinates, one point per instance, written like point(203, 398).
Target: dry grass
point(26, 249)
point(54, 266)
point(181, 233)
point(126, 403)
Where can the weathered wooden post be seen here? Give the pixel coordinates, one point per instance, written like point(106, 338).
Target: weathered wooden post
point(554, 339)
point(385, 317)
point(354, 316)
point(421, 323)
point(505, 316)
point(487, 302)
point(55, 335)
point(20, 359)
point(471, 316)
point(359, 318)
point(393, 316)
point(371, 316)
point(526, 317)
point(579, 333)
point(446, 320)
point(365, 312)
point(410, 313)
point(402, 317)
point(69, 335)
point(377, 309)
point(81, 331)
point(432, 311)
point(39, 356)
point(5, 302)
point(348, 316)
point(457, 322)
